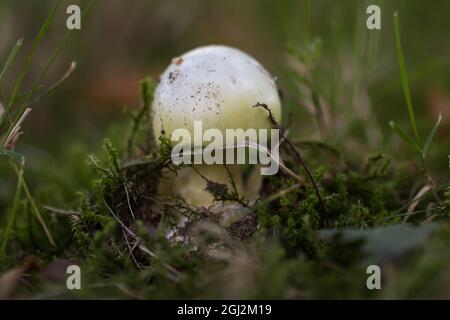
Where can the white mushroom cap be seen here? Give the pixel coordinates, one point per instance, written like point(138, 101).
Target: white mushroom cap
point(217, 85)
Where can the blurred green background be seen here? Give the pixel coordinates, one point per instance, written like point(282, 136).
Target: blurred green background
point(122, 42)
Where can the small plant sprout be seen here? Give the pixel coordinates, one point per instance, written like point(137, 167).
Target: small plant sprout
point(216, 85)
point(414, 141)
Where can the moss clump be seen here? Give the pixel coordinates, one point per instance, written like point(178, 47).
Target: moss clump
point(130, 244)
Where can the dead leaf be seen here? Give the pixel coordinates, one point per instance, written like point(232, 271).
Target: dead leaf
point(12, 138)
point(56, 270)
point(10, 279)
point(416, 200)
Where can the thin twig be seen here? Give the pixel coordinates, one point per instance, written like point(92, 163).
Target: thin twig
point(301, 161)
point(131, 249)
point(62, 211)
point(280, 193)
point(34, 206)
point(233, 185)
point(176, 206)
point(409, 203)
point(128, 201)
point(414, 212)
point(65, 76)
point(144, 249)
point(254, 146)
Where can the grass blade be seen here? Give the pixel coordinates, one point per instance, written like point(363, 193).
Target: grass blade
point(14, 156)
point(430, 137)
point(20, 158)
point(402, 134)
point(11, 218)
point(404, 77)
point(33, 205)
point(11, 58)
point(55, 54)
point(30, 56)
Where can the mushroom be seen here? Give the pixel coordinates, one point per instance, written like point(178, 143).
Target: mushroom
point(217, 85)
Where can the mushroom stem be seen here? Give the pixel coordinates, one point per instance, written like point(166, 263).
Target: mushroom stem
point(193, 183)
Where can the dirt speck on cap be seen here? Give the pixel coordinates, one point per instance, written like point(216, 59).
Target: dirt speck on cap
point(173, 76)
point(177, 60)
